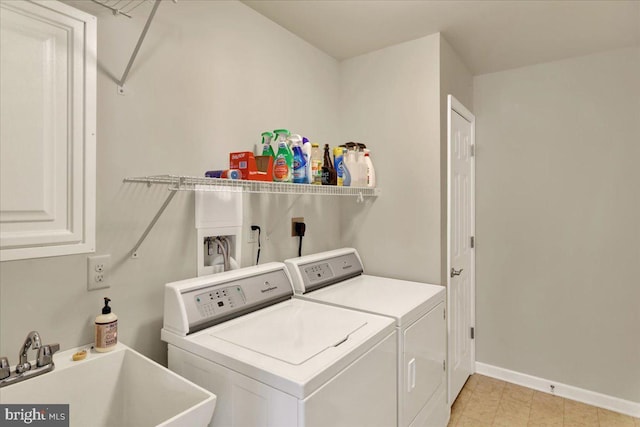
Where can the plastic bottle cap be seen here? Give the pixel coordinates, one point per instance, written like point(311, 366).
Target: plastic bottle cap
point(315, 144)
point(269, 134)
point(282, 131)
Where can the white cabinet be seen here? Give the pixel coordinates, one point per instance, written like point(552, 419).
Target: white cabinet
point(47, 130)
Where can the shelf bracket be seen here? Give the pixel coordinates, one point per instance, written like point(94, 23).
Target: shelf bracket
point(137, 48)
point(134, 251)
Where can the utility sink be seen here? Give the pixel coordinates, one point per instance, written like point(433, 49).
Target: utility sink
point(119, 388)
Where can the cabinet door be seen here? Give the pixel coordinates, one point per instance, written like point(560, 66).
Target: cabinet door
point(47, 130)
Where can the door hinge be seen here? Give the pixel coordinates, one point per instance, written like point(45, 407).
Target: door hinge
point(473, 241)
point(444, 314)
point(473, 333)
point(473, 150)
point(444, 365)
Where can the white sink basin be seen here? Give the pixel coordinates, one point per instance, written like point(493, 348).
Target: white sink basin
point(120, 388)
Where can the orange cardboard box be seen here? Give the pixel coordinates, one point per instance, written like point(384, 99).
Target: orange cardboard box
point(254, 168)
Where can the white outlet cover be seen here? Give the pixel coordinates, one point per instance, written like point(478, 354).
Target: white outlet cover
point(98, 272)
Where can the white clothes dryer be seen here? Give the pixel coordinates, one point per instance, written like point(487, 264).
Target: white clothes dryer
point(336, 278)
point(277, 361)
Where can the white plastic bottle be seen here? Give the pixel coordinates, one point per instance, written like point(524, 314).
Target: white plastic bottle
point(346, 164)
point(351, 165)
point(106, 329)
point(371, 172)
point(361, 167)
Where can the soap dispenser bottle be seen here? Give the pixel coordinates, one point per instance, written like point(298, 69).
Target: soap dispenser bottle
point(106, 329)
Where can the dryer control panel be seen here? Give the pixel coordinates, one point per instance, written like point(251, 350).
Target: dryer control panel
point(195, 304)
point(324, 269)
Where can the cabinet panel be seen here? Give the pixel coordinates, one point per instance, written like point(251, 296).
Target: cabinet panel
point(47, 130)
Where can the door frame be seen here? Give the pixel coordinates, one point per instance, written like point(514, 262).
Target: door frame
point(454, 105)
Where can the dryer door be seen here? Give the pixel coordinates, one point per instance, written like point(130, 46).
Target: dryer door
point(424, 356)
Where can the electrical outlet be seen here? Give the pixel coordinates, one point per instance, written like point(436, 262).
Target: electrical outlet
point(98, 272)
point(293, 225)
point(252, 236)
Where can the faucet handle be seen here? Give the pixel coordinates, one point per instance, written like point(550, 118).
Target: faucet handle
point(5, 369)
point(45, 354)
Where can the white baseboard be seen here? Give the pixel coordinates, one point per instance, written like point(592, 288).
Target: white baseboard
point(563, 390)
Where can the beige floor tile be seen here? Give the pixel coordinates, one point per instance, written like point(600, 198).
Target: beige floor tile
point(512, 414)
point(481, 407)
point(456, 409)
point(514, 407)
point(580, 414)
point(490, 387)
point(546, 409)
point(517, 393)
point(472, 382)
point(545, 423)
point(470, 422)
point(462, 399)
point(486, 401)
point(613, 419)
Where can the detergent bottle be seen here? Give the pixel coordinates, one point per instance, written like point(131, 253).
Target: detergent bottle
point(346, 168)
point(371, 172)
point(306, 151)
point(283, 164)
point(299, 164)
point(337, 164)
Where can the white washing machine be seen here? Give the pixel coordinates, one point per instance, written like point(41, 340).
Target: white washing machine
point(273, 360)
point(336, 278)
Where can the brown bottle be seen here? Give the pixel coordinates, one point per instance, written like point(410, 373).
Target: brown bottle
point(329, 175)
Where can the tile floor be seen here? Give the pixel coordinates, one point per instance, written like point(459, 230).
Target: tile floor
point(486, 401)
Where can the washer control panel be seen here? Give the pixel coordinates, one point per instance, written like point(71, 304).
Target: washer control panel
point(219, 300)
point(209, 300)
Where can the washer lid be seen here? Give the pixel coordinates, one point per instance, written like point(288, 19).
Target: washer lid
point(292, 335)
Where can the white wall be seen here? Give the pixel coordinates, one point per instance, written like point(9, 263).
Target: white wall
point(394, 100)
point(211, 76)
point(558, 293)
point(389, 100)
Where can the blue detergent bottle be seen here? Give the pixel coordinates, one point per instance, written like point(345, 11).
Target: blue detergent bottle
point(299, 164)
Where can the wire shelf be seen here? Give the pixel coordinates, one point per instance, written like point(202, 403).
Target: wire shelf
point(122, 7)
point(189, 183)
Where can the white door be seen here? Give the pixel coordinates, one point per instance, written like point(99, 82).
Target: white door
point(461, 256)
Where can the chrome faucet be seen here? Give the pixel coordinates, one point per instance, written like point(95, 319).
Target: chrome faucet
point(32, 341)
point(23, 371)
